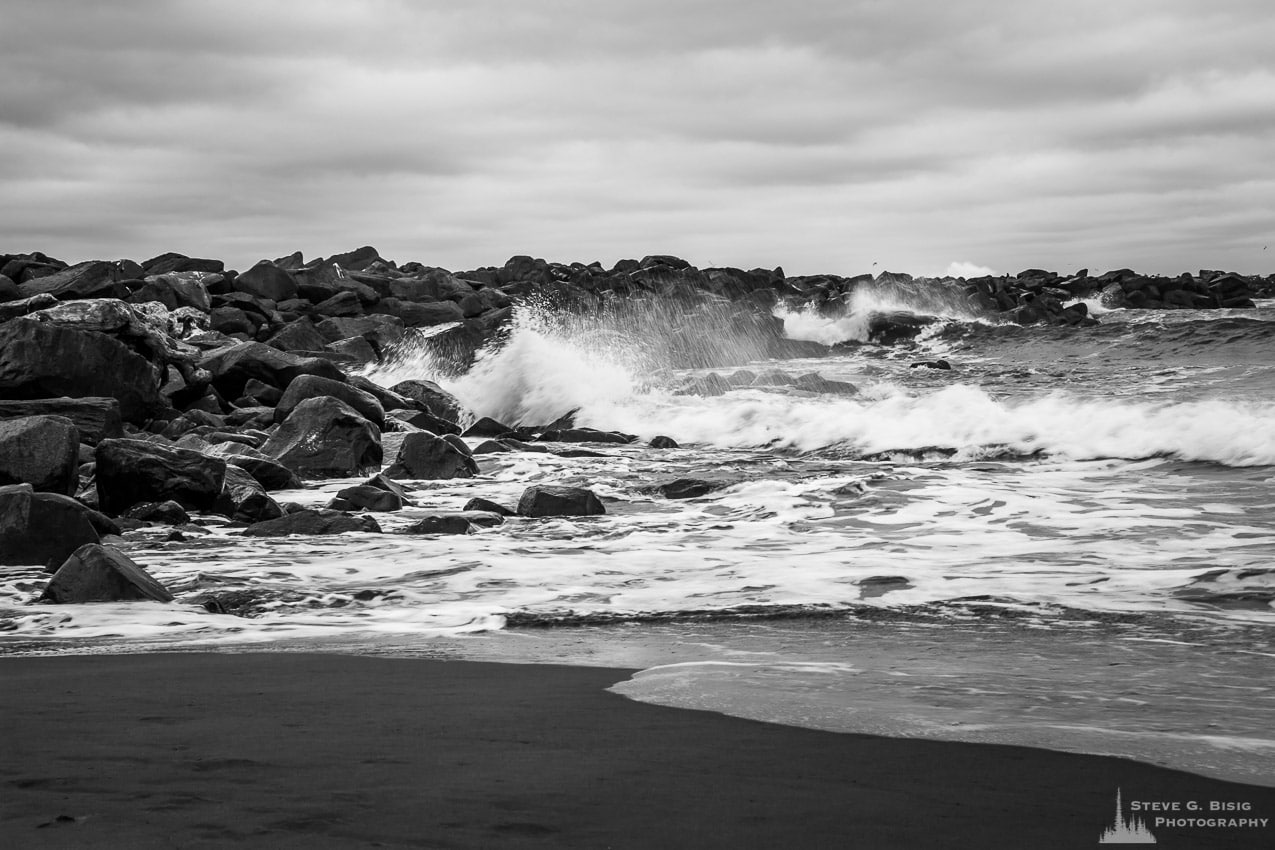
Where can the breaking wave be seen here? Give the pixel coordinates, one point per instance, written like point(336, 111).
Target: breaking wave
point(620, 373)
point(849, 320)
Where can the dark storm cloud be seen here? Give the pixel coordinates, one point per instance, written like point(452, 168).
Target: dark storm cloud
point(823, 135)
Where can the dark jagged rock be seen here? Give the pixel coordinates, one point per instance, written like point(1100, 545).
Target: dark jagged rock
point(585, 435)
point(165, 513)
point(93, 279)
point(325, 438)
point(487, 506)
point(435, 399)
point(233, 322)
point(96, 573)
point(356, 260)
point(244, 499)
point(172, 262)
point(343, 304)
point(382, 482)
point(270, 474)
point(430, 457)
point(932, 364)
point(417, 315)
point(131, 471)
point(662, 442)
point(484, 519)
point(545, 501)
point(44, 360)
point(43, 451)
point(312, 522)
point(262, 393)
point(41, 528)
point(301, 335)
point(365, 497)
point(426, 421)
point(25, 306)
point(487, 427)
point(891, 328)
point(379, 329)
point(8, 289)
point(441, 524)
point(233, 366)
point(94, 418)
point(176, 290)
point(310, 387)
point(357, 347)
point(266, 280)
point(688, 488)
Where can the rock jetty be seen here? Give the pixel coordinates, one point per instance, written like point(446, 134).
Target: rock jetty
point(135, 394)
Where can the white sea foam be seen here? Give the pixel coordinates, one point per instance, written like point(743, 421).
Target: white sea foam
point(614, 379)
point(962, 418)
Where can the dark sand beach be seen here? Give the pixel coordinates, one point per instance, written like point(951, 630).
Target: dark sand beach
point(307, 750)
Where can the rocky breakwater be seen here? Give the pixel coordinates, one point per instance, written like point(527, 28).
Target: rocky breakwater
point(1035, 291)
point(175, 394)
point(899, 306)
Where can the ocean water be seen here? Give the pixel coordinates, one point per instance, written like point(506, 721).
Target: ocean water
point(1067, 539)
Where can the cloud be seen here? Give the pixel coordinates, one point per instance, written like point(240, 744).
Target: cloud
point(820, 135)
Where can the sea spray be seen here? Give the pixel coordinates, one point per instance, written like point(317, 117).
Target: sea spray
point(833, 323)
point(549, 360)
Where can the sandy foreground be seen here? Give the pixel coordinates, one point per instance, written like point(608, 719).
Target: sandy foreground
point(308, 750)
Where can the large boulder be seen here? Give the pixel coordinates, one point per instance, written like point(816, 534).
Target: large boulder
point(270, 474)
point(41, 528)
point(175, 290)
point(434, 398)
point(542, 501)
point(159, 513)
point(174, 262)
point(312, 522)
point(356, 260)
point(448, 523)
point(428, 456)
point(232, 367)
point(365, 497)
point(43, 451)
point(93, 279)
point(96, 573)
point(422, 315)
point(380, 330)
point(25, 306)
point(488, 427)
point(325, 438)
point(481, 505)
point(243, 498)
point(95, 418)
point(45, 360)
point(132, 471)
point(266, 280)
point(312, 386)
point(300, 335)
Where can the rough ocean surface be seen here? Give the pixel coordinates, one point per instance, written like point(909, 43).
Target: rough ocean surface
point(1064, 539)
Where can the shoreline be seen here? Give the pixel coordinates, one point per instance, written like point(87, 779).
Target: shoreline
point(295, 749)
point(1138, 689)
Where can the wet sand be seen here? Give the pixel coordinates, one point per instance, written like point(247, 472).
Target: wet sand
point(306, 750)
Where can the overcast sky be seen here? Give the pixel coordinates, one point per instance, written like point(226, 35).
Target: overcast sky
point(821, 136)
